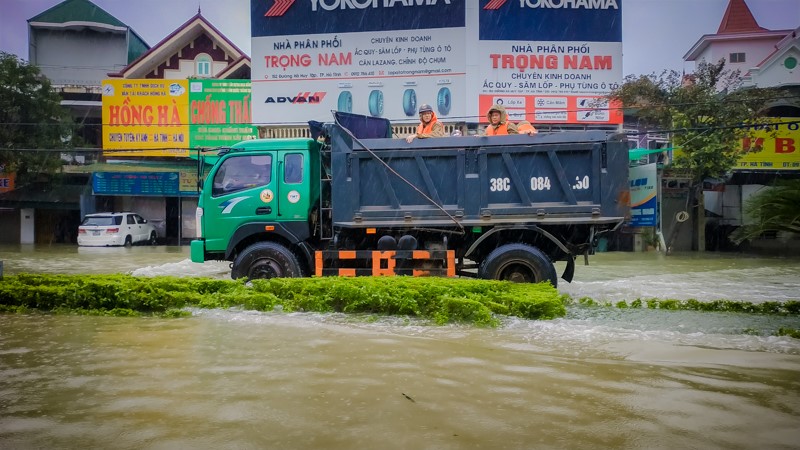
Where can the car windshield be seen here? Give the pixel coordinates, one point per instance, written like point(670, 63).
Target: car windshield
point(101, 221)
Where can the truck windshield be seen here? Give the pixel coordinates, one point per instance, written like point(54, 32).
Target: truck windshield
point(242, 172)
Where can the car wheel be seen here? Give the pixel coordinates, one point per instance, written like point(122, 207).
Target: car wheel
point(153, 238)
point(128, 241)
point(266, 260)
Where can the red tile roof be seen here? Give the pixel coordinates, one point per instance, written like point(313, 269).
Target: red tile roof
point(738, 19)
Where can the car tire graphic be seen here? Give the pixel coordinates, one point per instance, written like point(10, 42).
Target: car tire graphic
point(345, 102)
point(443, 101)
point(376, 103)
point(410, 102)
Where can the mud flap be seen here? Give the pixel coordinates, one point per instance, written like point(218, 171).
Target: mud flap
point(569, 271)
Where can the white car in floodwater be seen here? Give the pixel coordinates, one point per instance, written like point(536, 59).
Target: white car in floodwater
point(109, 229)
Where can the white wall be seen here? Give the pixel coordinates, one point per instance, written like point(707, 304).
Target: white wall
point(755, 51)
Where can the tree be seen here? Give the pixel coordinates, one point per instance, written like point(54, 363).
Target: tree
point(707, 114)
point(31, 118)
point(775, 209)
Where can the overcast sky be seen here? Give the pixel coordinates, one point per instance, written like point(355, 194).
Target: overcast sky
point(656, 33)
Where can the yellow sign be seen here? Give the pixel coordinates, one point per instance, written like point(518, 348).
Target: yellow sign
point(779, 147)
point(145, 117)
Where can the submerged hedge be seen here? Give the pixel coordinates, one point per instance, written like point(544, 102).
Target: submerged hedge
point(442, 300)
point(789, 307)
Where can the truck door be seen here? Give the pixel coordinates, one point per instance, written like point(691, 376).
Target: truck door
point(243, 191)
point(293, 187)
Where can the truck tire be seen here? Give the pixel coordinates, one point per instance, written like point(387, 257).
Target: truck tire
point(345, 102)
point(519, 263)
point(266, 260)
point(376, 103)
point(410, 102)
point(443, 101)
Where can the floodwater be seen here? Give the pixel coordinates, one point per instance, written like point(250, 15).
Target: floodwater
point(599, 378)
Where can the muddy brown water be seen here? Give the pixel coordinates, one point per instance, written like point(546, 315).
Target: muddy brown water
point(598, 378)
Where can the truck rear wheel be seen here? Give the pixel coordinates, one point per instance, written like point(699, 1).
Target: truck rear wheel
point(266, 260)
point(518, 263)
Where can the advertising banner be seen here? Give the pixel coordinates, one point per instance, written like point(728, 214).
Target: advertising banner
point(145, 117)
point(149, 117)
point(776, 147)
point(6, 181)
point(551, 60)
point(219, 113)
point(644, 201)
point(160, 184)
point(548, 61)
point(374, 57)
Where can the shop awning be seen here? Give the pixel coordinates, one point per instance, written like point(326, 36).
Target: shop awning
point(45, 196)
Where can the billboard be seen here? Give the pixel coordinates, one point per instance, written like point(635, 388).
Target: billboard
point(551, 61)
point(145, 117)
point(774, 147)
point(378, 58)
point(545, 60)
point(152, 117)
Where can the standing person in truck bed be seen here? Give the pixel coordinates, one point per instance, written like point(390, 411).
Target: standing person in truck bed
point(429, 125)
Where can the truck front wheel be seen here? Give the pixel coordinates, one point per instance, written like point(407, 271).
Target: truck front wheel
point(266, 260)
point(519, 263)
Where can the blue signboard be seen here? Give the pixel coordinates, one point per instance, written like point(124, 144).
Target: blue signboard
point(299, 17)
point(644, 202)
point(551, 20)
point(162, 184)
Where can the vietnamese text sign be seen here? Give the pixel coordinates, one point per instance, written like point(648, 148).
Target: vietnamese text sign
point(151, 117)
point(166, 184)
point(145, 117)
point(562, 56)
point(382, 59)
point(775, 149)
point(219, 113)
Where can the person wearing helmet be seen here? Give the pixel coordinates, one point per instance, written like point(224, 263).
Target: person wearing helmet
point(429, 126)
point(525, 127)
point(498, 122)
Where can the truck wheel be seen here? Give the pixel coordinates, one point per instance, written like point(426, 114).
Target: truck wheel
point(266, 260)
point(518, 263)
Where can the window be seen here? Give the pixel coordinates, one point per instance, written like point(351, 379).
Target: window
point(203, 66)
point(736, 58)
point(130, 220)
point(242, 172)
point(293, 170)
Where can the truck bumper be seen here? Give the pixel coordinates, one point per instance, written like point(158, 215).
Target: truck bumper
point(198, 251)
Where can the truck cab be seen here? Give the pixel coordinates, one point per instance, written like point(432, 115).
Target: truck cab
point(264, 189)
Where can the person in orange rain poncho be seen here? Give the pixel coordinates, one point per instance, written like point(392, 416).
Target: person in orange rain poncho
point(525, 127)
point(429, 125)
point(498, 122)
